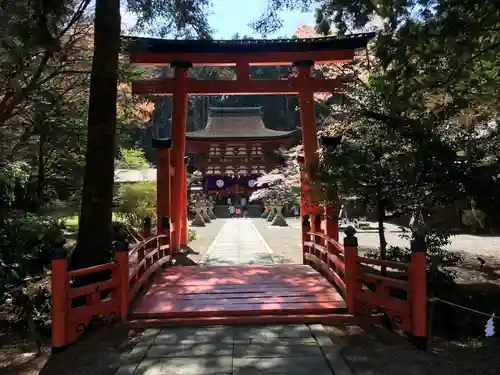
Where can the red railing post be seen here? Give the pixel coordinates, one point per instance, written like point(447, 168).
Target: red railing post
point(332, 220)
point(351, 266)
point(121, 257)
point(165, 229)
point(306, 228)
point(59, 286)
point(418, 290)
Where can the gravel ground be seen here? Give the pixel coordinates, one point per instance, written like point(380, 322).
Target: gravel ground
point(376, 351)
point(97, 353)
point(285, 243)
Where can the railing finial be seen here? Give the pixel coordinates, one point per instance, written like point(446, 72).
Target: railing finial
point(59, 251)
point(350, 239)
point(120, 245)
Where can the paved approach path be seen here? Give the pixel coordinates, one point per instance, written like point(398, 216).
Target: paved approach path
point(238, 243)
point(237, 350)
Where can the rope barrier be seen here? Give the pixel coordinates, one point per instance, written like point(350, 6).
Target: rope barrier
point(463, 307)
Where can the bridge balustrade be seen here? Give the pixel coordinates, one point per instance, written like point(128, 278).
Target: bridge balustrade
point(395, 291)
point(108, 297)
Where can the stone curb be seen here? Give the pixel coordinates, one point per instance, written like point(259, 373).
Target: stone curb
point(331, 351)
point(271, 253)
point(206, 255)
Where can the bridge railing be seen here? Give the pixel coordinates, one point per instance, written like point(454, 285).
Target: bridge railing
point(108, 297)
point(399, 292)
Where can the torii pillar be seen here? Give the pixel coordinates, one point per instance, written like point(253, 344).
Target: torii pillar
point(179, 116)
point(309, 135)
point(184, 220)
point(163, 188)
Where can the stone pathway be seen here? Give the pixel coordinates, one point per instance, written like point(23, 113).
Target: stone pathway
point(238, 243)
point(239, 350)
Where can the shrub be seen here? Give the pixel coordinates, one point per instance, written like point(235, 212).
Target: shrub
point(26, 243)
point(131, 158)
point(439, 260)
point(136, 202)
point(191, 235)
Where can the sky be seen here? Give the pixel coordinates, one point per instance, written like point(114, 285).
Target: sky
point(229, 17)
point(233, 16)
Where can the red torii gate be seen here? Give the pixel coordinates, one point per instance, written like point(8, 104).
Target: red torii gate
point(364, 291)
point(181, 55)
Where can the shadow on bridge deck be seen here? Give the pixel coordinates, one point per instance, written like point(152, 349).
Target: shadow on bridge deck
point(238, 294)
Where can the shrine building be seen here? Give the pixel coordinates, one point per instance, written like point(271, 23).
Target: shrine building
point(234, 149)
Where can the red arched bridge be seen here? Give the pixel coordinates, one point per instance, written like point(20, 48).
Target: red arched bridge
point(334, 285)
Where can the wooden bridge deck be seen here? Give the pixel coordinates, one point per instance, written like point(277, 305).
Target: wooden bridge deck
point(225, 293)
point(238, 282)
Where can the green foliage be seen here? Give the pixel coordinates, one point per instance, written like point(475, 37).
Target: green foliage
point(187, 19)
point(438, 259)
point(13, 179)
point(136, 202)
point(131, 158)
point(30, 307)
point(26, 243)
point(191, 235)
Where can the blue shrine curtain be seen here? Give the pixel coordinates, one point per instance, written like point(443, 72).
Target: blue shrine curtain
point(249, 182)
point(218, 182)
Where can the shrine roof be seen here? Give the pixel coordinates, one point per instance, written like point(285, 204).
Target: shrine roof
point(241, 123)
point(331, 43)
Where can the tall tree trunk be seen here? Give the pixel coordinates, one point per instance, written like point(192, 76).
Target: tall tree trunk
point(381, 234)
point(95, 231)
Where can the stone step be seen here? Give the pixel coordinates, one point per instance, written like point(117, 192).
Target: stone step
point(339, 317)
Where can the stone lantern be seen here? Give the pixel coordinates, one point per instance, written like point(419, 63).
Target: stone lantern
point(204, 209)
point(198, 218)
point(279, 219)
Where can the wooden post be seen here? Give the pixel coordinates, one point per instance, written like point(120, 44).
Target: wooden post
point(332, 220)
point(418, 290)
point(306, 228)
point(309, 133)
point(121, 257)
point(59, 285)
point(318, 240)
point(351, 266)
point(184, 221)
point(165, 229)
point(179, 115)
point(163, 188)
